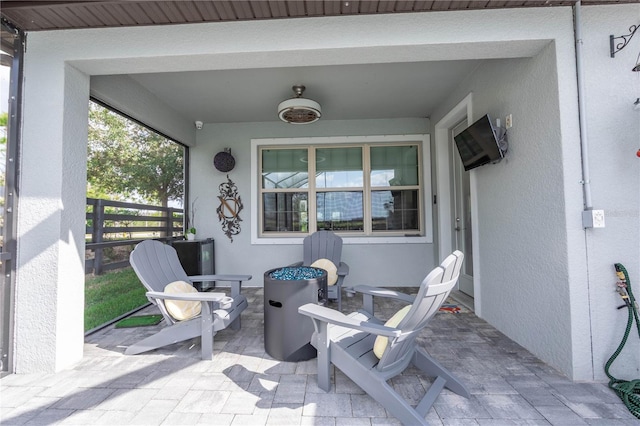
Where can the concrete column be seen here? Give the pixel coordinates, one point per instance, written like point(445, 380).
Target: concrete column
point(52, 189)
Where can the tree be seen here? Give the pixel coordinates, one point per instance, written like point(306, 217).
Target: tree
point(128, 161)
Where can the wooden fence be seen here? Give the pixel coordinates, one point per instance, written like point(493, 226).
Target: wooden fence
point(113, 224)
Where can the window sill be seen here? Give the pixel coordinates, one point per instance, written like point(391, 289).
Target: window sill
point(345, 240)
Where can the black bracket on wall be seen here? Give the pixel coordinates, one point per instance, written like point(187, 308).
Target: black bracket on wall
point(626, 38)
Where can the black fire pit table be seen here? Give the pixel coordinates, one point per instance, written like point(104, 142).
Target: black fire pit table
point(287, 333)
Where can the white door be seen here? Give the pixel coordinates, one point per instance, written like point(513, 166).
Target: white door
point(462, 214)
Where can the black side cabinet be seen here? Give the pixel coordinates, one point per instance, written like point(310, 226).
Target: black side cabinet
point(197, 258)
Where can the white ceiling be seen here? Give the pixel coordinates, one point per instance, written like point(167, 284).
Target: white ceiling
point(345, 92)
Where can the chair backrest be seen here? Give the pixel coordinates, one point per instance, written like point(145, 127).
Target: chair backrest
point(322, 245)
point(434, 290)
point(156, 264)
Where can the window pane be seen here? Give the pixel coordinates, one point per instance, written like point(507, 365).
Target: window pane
point(395, 210)
point(340, 211)
point(394, 165)
point(339, 167)
point(284, 168)
point(285, 212)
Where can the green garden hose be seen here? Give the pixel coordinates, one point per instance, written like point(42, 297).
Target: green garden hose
point(627, 390)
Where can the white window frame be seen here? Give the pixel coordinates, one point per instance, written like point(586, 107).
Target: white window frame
point(426, 197)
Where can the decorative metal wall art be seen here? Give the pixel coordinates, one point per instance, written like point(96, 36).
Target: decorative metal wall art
point(229, 208)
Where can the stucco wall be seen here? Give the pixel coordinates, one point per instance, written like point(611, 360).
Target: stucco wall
point(613, 131)
point(521, 229)
point(404, 264)
point(537, 265)
point(49, 329)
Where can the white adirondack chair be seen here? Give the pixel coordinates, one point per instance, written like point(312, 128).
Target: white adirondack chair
point(347, 341)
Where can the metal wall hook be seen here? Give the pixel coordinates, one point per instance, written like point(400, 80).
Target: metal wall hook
point(626, 38)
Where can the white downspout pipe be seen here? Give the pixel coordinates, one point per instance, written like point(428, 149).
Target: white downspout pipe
point(582, 115)
point(587, 213)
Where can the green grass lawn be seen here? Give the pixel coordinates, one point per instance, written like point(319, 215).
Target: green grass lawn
point(110, 295)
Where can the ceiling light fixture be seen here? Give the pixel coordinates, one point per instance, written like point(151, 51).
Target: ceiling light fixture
point(299, 110)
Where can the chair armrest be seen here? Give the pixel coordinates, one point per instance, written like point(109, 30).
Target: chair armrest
point(331, 316)
point(368, 292)
point(235, 281)
point(383, 292)
point(198, 297)
point(343, 269)
point(220, 277)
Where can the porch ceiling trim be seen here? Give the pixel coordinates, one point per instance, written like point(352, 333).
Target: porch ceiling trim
point(60, 15)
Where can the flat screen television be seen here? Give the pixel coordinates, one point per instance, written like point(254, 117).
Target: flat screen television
point(479, 144)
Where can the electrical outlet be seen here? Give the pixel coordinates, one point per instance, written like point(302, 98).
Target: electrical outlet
point(508, 121)
point(598, 218)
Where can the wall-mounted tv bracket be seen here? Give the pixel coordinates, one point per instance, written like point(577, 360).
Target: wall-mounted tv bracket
point(625, 39)
point(503, 141)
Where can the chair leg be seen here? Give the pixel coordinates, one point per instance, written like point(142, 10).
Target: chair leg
point(397, 406)
point(367, 303)
point(431, 367)
point(206, 333)
point(323, 348)
point(430, 397)
point(236, 324)
point(377, 388)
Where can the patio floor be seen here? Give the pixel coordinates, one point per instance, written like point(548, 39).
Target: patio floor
point(245, 386)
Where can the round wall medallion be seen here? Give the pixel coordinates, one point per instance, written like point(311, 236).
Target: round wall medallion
point(224, 161)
